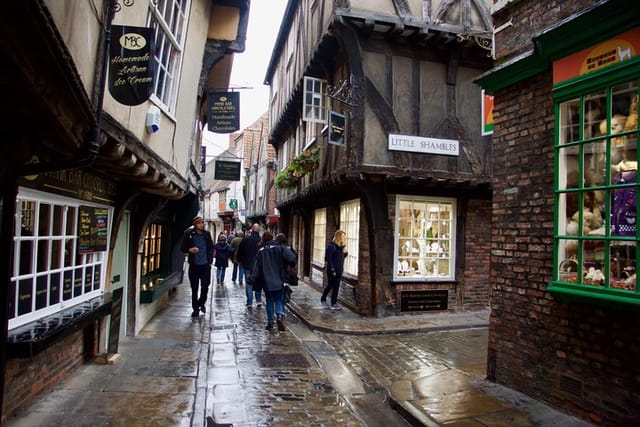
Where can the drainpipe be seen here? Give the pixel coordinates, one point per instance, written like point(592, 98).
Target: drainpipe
point(9, 193)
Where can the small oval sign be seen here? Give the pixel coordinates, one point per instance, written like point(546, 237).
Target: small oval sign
point(132, 41)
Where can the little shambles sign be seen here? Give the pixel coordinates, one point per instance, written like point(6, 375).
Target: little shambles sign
point(130, 65)
point(418, 144)
point(223, 112)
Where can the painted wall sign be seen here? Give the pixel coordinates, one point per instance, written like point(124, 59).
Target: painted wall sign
point(337, 135)
point(223, 112)
point(93, 229)
point(74, 183)
point(226, 170)
point(418, 144)
point(131, 64)
point(613, 51)
point(487, 114)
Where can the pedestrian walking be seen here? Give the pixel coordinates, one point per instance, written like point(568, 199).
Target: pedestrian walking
point(238, 273)
point(221, 252)
point(334, 257)
point(198, 244)
point(247, 250)
point(270, 270)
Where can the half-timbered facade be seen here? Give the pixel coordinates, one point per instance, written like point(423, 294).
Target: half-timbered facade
point(377, 125)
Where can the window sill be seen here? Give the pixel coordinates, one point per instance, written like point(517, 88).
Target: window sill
point(606, 297)
point(33, 338)
point(150, 295)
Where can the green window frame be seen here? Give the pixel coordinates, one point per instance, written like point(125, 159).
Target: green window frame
point(596, 188)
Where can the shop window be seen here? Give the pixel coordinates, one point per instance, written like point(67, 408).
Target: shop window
point(350, 224)
point(51, 269)
point(319, 235)
point(152, 250)
point(597, 192)
point(424, 242)
point(168, 19)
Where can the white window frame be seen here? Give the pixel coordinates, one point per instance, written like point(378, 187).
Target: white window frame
point(170, 26)
point(425, 250)
point(350, 224)
point(314, 100)
point(45, 240)
point(319, 236)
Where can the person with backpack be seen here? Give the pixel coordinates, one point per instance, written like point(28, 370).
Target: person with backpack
point(222, 252)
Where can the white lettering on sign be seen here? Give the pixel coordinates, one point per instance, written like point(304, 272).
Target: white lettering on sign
point(418, 144)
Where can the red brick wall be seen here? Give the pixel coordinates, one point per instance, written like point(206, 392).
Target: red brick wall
point(529, 17)
point(27, 378)
point(477, 238)
point(580, 358)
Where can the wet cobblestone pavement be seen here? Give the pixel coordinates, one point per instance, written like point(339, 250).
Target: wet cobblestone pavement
point(329, 368)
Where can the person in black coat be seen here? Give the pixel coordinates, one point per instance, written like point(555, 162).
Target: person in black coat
point(270, 270)
point(246, 256)
point(197, 242)
point(334, 257)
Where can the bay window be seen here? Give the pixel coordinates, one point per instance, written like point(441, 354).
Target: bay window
point(596, 188)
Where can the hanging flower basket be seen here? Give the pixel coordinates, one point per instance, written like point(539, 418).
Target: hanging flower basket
point(286, 180)
point(308, 160)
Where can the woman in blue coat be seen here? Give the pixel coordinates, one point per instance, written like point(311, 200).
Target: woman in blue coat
point(221, 252)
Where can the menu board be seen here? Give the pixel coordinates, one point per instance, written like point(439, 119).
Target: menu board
point(93, 227)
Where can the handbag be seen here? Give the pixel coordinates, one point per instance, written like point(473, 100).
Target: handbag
point(292, 276)
point(287, 293)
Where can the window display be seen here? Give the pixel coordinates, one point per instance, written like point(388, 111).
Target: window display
point(424, 233)
point(596, 193)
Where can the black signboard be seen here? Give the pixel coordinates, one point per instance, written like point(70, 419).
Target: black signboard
point(425, 300)
point(131, 64)
point(93, 226)
point(223, 112)
point(227, 170)
point(337, 123)
point(203, 159)
point(116, 314)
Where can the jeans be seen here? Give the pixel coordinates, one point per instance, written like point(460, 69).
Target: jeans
point(275, 304)
point(248, 290)
point(199, 277)
point(238, 273)
point(333, 286)
point(220, 274)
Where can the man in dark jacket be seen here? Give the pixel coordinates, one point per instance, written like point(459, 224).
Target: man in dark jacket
point(270, 269)
point(197, 242)
point(247, 250)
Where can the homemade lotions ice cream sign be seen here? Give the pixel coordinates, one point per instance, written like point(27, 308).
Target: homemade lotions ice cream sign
point(130, 65)
point(418, 144)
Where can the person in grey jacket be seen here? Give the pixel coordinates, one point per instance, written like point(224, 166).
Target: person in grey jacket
point(270, 270)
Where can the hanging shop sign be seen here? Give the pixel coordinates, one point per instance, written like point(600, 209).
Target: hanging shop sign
point(418, 144)
point(130, 64)
point(226, 170)
point(93, 229)
point(223, 112)
point(337, 128)
point(203, 159)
